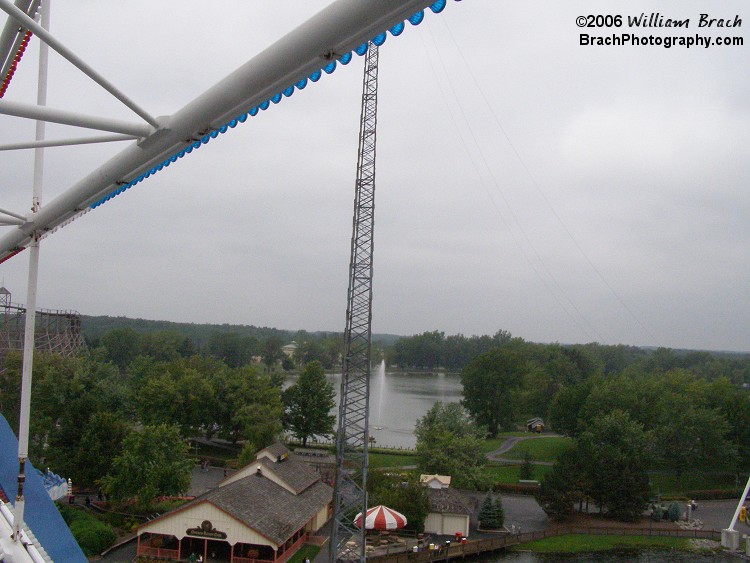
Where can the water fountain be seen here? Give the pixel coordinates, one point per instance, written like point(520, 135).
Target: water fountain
point(380, 381)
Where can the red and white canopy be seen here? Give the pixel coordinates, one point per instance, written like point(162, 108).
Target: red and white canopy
point(381, 518)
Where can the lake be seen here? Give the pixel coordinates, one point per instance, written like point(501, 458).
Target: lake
point(398, 400)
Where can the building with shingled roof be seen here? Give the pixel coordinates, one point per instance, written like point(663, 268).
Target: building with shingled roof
point(448, 512)
point(262, 513)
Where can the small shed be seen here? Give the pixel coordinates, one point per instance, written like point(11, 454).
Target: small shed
point(535, 424)
point(449, 512)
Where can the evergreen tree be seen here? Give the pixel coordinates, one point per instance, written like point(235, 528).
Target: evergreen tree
point(308, 404)
point(499, 512)
point(487, 515)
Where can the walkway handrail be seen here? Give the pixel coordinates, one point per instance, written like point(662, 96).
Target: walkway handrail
point(475, 547)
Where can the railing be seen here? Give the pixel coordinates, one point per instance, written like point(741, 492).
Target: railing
point(236, 559)
point(289, 551)
point(158, 552)
point(507, 540)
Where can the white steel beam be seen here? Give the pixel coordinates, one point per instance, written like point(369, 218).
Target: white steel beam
point(42, 113)
point(47, 37)
point(30, 320)
point(333, 32)
point(11, 36)
point(11, 214)
point(67, 142)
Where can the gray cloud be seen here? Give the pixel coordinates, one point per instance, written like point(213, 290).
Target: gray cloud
point(630, 226)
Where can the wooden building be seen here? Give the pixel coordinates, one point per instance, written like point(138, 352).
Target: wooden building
point(262, 513)
point(448, 512)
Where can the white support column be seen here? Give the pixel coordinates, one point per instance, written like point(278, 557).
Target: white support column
point(730, 538)
point(28, 340)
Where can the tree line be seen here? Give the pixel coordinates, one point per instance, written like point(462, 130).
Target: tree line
point(663, 410)
point(134, 401)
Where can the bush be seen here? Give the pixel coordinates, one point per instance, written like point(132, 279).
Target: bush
point(657, 513)
point(92, 535)
point(674, 512)
point(527, 468)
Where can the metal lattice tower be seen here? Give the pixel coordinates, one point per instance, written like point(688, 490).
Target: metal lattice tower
point(350, 495)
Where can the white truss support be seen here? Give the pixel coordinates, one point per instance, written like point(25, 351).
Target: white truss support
point(30, 328)
point(42, 113)
point(74, 59)
point(12, 36)
point(67, 142)
point(336, 30)
point(11, 214)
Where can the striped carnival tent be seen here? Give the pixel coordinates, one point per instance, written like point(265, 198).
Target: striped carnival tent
point(381, 518)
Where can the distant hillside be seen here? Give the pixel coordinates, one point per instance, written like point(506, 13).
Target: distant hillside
point(94, 327)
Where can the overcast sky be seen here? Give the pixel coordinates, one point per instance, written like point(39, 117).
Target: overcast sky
point(524, 182)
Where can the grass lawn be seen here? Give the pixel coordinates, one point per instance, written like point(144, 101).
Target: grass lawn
point(577, 543)
point(309, 551)
point(542, 449)
point(511, 473)
point(377, 460)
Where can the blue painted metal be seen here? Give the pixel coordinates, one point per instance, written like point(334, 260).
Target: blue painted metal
point(41, 514)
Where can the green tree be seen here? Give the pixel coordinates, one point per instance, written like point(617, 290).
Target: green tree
point(491, 386)
point(527, 467)
point(100, 442)
point(566, 409)
point(248, 406)
point(561, 487)
point(695, 438)
point(448, 443)
point(499, 512)
point(614, 454)
point(177, 394)
point(154, 461)
point(272, 351)
point(308, 404)
point(402, 492)
point(122, 346)
point(163, 346)
point(488, 515)
point(311, 351)
point(232, 348)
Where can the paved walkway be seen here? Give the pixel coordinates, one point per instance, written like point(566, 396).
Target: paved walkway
point(717, 515)
point(509, 443)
